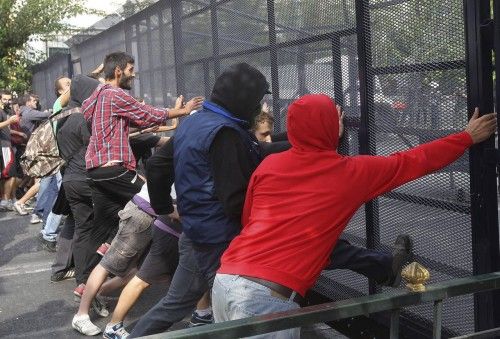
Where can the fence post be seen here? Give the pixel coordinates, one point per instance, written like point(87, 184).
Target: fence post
point(366, 139)
point(484, 206)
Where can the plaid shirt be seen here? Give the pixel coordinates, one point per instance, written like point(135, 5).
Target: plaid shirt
point(111, 110)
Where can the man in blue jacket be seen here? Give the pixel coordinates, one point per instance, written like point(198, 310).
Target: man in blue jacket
point(212, 171)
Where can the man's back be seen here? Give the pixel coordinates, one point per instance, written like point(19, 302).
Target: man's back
point(72, 138)
point(110, 111)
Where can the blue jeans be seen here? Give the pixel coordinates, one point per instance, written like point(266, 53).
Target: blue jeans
point(49, 231)
point(234, 297)
point(47, 195)
point(51, 221)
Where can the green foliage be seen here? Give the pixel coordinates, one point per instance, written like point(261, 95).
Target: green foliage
point(22, 19)
point(15, 73)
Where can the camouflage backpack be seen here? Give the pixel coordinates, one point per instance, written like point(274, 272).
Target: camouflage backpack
point(42, 157)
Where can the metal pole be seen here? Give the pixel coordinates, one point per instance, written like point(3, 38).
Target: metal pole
point(438, 319)
point(394, 331)
point(366, 139)
point(275, 88)
point(178, 46)
point(215, 37)
point(484, 207)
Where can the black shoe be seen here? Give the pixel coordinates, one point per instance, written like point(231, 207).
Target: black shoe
point(198, 320)
point(63, 275)
point(401, 254)
point(49, 246)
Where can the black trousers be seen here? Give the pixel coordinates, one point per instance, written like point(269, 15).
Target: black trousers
point(112, 187)
point(373, 264)
point(64, 254)
point(79, 197)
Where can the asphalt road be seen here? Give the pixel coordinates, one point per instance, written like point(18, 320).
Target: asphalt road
point(30, 305)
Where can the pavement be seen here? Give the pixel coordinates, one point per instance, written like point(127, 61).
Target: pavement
point(33, 307)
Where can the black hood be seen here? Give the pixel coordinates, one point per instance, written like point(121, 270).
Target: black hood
point(82, 87)
point(240, 89)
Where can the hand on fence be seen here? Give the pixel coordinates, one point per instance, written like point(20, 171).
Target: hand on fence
point(481, 128)
point(179, 102)
point(341, 121)
point(194, 104)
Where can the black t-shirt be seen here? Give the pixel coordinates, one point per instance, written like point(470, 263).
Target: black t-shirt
point(141, 145)
point(4, 131)
point(73, 136)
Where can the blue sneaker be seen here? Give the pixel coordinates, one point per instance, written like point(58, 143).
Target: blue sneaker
point(198, 320)
point(115, 331)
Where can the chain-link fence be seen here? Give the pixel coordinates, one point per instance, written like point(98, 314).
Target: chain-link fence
point(45, 75)
point(397, 67)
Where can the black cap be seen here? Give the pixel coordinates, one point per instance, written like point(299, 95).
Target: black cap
point(240, 89)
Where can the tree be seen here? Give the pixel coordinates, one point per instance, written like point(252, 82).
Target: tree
point(131, 7)
point(21, 19)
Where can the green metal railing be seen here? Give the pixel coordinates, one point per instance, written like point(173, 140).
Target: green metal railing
point(392, 301)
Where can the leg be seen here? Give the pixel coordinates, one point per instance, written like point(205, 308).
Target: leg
point(204, 302)
point(128, 298)
point(9, 188)
point(376, 265)
point(49, 231)
point(116, 282)
point(51, 193)
point(64, 254)
point(161, 262)
point(42, 197)
point(30, 193)
point(383, 267)
point(80, 200)
point(187, 287)
point(96, 279)
point(202, 315)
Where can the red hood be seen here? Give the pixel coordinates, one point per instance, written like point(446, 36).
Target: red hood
point(313, 123)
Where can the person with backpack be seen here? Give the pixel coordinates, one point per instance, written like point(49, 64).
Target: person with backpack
point(72, 138)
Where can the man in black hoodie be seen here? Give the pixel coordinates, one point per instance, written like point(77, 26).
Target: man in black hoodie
point(215, 155)
point(73, 137)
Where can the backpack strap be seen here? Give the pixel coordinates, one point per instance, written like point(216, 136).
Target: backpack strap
point(64, 114)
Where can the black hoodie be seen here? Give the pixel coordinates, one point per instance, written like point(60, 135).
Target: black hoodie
point(73, 133)
point(240, 89)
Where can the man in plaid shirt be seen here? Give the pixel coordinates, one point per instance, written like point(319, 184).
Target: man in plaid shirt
point(110, 163)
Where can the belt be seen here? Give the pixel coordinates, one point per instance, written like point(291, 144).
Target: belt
point(282, 291)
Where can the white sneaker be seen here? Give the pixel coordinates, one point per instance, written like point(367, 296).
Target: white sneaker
point(35, 219)
point(83, 325)
point(99, 307)
point(20, 208)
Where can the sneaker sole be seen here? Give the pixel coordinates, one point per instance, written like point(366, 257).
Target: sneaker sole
point(87, 334)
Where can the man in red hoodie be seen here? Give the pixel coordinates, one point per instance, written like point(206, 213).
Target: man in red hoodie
point(299, 201)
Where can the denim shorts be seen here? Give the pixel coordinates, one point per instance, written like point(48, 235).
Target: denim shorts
point(132, 239)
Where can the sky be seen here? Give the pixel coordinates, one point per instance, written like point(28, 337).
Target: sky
point(109, 7)
point(81, 21)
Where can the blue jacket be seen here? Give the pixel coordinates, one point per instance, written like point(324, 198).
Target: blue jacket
point(203, 217)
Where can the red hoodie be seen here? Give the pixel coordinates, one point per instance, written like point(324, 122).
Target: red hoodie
point(299, 201)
